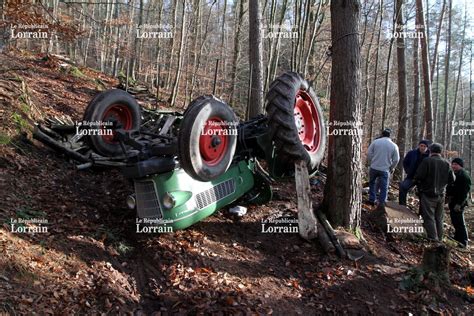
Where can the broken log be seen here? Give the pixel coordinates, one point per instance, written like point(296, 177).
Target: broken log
point(307, 222)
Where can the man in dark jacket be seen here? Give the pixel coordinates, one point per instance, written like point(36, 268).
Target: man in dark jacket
point(432, 176)
point(412, 160)
point(458, 194)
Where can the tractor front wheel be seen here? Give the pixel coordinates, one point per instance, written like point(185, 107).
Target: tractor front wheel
point(207, 138)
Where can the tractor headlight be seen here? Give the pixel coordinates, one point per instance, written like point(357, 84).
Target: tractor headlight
point(168, 201)
point(131, 202)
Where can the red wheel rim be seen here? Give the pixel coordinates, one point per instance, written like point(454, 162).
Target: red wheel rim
point(213, 141)
point(307, 121)
point(121, 115)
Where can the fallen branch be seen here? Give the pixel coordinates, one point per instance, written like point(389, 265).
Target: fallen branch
point(332, 236)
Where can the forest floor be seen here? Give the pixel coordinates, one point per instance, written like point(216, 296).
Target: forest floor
point(91, 260)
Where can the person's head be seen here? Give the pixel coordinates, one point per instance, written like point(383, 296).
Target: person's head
point(436, 148)
point(386, 132)
point(423, 146)
point(457, 164)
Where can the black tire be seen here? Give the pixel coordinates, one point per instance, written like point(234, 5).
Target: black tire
point(117, 107)
point(194, 157)
point(283, 131)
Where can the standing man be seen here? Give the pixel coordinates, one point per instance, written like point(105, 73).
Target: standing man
point(412, 160)
point(382, 156)
point(458, 194)
point(431, 178)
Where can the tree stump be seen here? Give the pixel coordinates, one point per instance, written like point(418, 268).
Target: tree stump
point(436, 262)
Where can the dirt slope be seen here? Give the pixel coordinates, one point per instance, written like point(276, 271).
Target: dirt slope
point(92, 261)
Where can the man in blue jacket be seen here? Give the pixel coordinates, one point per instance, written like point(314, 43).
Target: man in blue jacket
point(412, 160)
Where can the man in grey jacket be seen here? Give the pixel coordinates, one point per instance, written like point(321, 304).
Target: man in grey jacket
point(383, 156)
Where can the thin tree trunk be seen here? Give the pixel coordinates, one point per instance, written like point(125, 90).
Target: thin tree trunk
point(436, 116)
point(453, 113)
point(415, 136)
point(402, 86)
point(171, 55)
point(367, 62)
point(470, 110)
point(174, 93)
point(276, 56)
point(316, 27)
point(255, 60)
point(270, 40)
point(446, 76)
point(221, 56)
point(426, 72)
point(203, 42)
point(236, 55)
point(387, 73)
point(438, 35)
point(372, 115)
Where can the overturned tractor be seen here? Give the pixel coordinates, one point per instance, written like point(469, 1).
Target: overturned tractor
point(186, 166)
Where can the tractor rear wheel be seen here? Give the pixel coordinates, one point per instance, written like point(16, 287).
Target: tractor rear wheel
point(296, 123)
point(113, 109)
point(207, 138)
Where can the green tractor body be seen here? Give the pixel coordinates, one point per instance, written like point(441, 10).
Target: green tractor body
point(175, 199)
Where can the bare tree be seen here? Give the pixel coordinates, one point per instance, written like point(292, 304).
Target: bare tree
point(402, 85)
point(236, 56)
point(444, 136)
point(438, 35)
point(428, 128)
point(374, 88)
point(180, 56)
point(415, 135)
point(255, 60)
point(456, 88)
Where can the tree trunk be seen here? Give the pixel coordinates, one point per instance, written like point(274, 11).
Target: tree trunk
point(446, 76)
point(235, 58)
point(415, 136)
point(387, 76)
point(438, 33)
point(453, 113)
point(367, 63)
point(436, 114)
point(175, 91)
point(343, 196)
point(223, 48)
point(470, 111)
point(274, 62)
point(171, 55)
point(426, 72)
point(374, 88)
point(402, 86)
point(255, 60)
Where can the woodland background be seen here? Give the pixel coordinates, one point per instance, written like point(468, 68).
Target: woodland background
point(102, 34)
